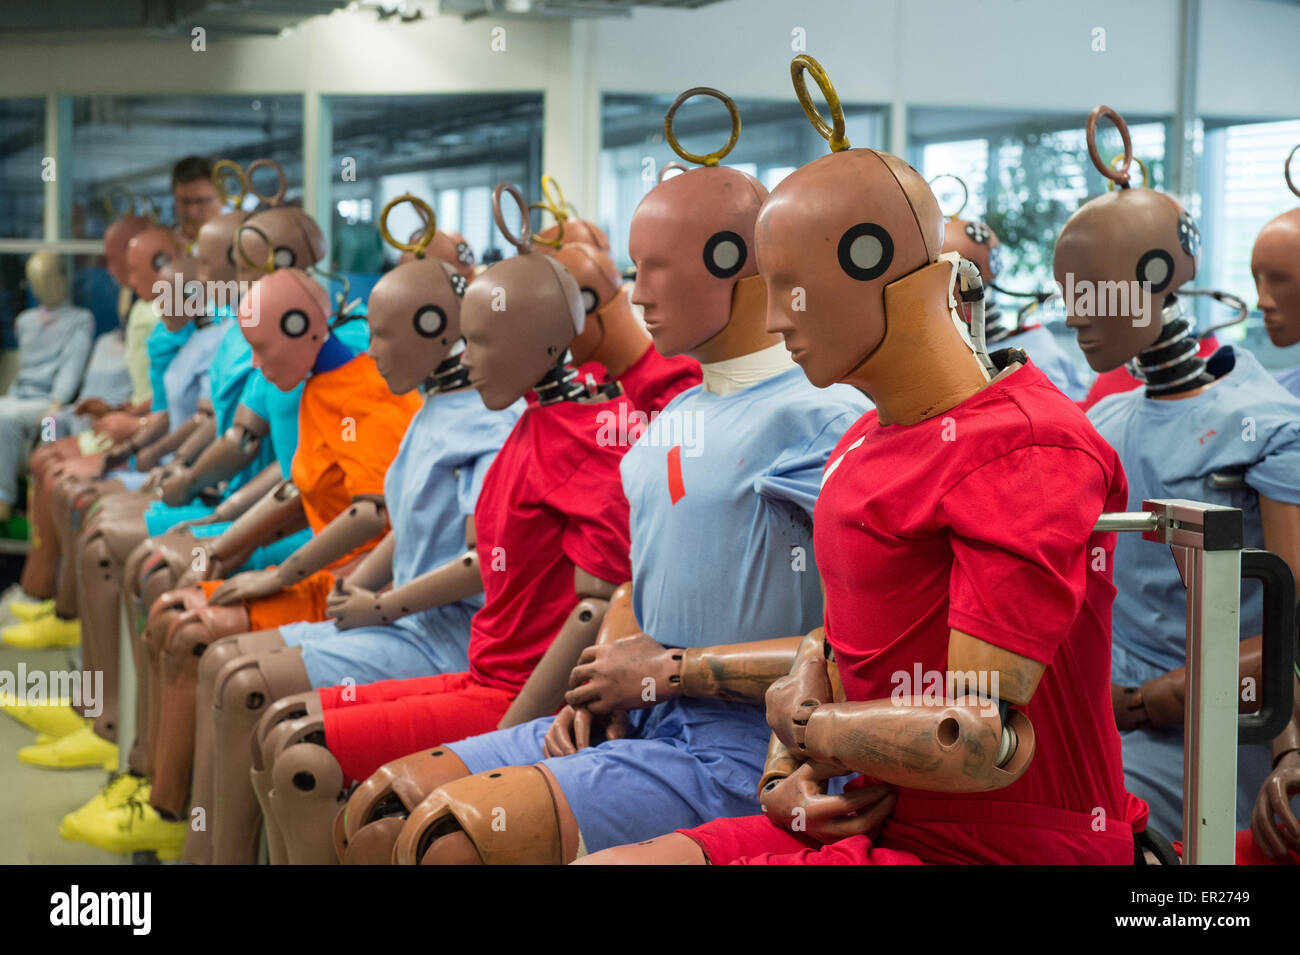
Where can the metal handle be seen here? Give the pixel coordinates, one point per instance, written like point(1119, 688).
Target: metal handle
point(1279, 646)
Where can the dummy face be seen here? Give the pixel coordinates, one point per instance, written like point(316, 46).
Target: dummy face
point(1275, 264)
point(832, 235)
point(295, 238)
point(196, 203)
point(146, 254)
point(414, 316)
point(692, 239)
point(285, 318)
point(518, 319)
point(183, 289)
point(1117, 260)
point(599, 283)
point(216, 253)
point(116, 238)
point(46, 278)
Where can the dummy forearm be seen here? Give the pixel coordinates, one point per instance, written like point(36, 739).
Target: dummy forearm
point(199, 438)
point(276, 515)
point(455, 580)
point(150, 452)
point(226, 456)
point(960, 747)
point(262, 484)
point(1288, 740)
point(544, 692)
point(363, 520)
point(740, 672)
point(780, 762)
point(812, 675)
point(151, 429)
point(376, 568)
point(1165, 697)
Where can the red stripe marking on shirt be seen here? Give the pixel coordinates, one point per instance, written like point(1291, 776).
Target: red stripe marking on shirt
point(676, 489)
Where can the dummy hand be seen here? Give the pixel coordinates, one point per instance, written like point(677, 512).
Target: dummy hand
point(353, 607)
point(571, 729)
point(627, 674)
point(1275, 800)
point(810, 680)
point(93, 407)
point(174, 487)
point(117, 426)
point(154, 482)
point(250, 585)
point(800, 804)
point(1157, 702)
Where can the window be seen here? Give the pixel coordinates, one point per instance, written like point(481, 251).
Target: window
point(776, 138)
point(22, 153)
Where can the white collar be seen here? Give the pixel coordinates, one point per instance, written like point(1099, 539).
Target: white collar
point(726, 377)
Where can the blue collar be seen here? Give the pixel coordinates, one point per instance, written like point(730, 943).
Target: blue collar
point(333, 354)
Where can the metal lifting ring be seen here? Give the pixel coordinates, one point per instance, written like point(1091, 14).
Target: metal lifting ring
point(417, 246)
point(1110, 183)
point(553, 197)
point(834, 133)
point(1118, 176)
point(671, 165)
point(218, 180)
point(257, 164)
point(965, 190)
point(560, 219)
point(112, 208)
point(708, 159)
point(269, 267)
point(521, 242)
point(1287, 171)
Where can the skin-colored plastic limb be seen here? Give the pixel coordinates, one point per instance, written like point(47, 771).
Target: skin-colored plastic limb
point(220, 460)
point(278, 514)
point(152, 428)
point(740, 672)
point(544, 691)
point(199, 431)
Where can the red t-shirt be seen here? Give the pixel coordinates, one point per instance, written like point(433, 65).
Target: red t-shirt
point(552, 499)
point(980, 519)
point(1118, 379)
point(653, 380)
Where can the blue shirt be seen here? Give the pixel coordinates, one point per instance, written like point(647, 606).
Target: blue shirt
point(1042, 347)
point(1247, 424)
point(186, 378)
point(163, 346)
point(1289, 378)
point(53, 347)
point(434, 481)
point(721, 493)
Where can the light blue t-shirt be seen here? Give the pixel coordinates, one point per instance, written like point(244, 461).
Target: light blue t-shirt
point(1289, 378)
point(432, 485)
point(53, 346)
point(186, 378)
point(162, 346)
point(1045, 352)
point(721, 493)
point(279, 409)
point(1245, 424)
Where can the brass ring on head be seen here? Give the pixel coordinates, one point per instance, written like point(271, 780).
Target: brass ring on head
point(418, 246)
point(715, 157)
point(1121, 175)
point(112, 208)
point(554, 197)
point(671, 165)
point(269, 267)
point(1110, 184)
point(833, 133)
point(218, 180)
point(256, 164)
point(151, 210)
point(965, 190)
point(521, 242)
point(1287, 171)
point(559, 224)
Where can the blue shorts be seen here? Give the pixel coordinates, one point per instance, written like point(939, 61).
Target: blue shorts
point(160, 517)
point(685, 762)
point(1153, 770)
point(132, 480)
point(424, 644)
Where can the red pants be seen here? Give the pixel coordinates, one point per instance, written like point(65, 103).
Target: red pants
point(367, 726)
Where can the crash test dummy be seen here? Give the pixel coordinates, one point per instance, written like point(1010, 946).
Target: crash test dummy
point(976, 242)
point(419, 627)
point(665, 726)
point(1193, 418)
point(349, 428)
point(1275, 265)
point(932, 563)
point(551, 525)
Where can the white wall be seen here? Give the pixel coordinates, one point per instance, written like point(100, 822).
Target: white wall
point(1249, 59)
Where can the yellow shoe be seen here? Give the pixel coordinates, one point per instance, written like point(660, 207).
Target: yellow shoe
point(55, 718)
point(27, 610)
point(42, 633)
point(74, 751)
point(120, 789)
point(135, 826)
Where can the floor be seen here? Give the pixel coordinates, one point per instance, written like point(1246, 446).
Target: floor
point(33, 800)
